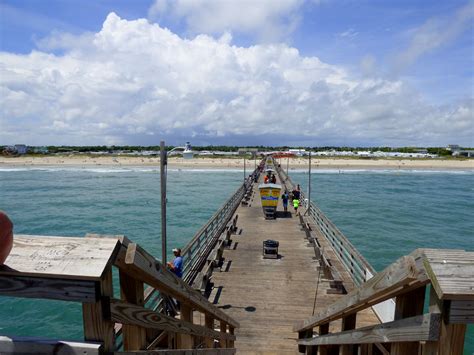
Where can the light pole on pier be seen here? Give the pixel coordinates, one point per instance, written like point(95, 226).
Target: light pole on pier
point(163, 166)
point(244, 168)
point(309, 185)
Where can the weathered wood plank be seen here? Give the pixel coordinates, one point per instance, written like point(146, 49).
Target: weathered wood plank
point(30, 345)
point(379, 288)
point(140, 264)
point(461, 312)
point(419, 328)
point(451, 273)
point(60, 257)
point(49, 288)
point(408, 305)
point(131, 290)
point(185, 341)
point(127, 313)
point(97, 327)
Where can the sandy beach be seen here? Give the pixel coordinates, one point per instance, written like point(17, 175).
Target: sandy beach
point(236, 163)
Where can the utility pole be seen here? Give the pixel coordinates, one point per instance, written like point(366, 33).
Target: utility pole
point(163, 165)
point(244, 167)
point(309, 185)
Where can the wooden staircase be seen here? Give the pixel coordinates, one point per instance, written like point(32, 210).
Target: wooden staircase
point(80, 270)
point(424, 322)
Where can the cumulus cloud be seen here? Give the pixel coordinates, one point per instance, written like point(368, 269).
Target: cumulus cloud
point(270, 20)
point(135, 82)
point(434, 33)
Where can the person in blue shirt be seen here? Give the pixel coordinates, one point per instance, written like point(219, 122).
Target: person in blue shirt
point(176, 266)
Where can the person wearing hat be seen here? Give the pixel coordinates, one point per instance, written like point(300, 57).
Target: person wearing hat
point(6, 236)
point(176, 266)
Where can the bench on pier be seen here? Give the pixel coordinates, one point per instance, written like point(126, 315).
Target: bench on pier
point(216, 257)
point(329, 271)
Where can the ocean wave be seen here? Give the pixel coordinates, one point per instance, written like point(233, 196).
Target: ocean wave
point(383, 171)
point(114, 170)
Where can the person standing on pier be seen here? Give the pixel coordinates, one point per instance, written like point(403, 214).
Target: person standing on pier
point(6, 236)
point(296, 204)
point(176, 266)
point(284, 199)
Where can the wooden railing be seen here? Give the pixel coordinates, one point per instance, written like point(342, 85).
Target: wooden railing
point(353, 261)
point(450, 274)
point(80, 270)
point(195, 253)
point(140, 319)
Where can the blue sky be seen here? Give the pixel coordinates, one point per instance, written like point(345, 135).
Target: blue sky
point(379, 72)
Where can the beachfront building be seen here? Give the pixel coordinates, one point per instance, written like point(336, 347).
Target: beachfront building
point(298, 152)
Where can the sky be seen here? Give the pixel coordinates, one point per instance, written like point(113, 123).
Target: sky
point(237, 72)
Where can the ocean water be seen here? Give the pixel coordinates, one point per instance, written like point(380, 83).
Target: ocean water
point(385, 214)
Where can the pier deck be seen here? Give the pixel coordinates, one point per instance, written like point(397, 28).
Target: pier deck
point(267, 296)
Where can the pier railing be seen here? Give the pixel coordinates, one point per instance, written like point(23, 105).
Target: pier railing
point(80, 270)
point(358, 267)
point(195, 253)
point(450, 276)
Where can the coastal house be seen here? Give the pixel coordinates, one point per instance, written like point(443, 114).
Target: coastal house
point(21, 149)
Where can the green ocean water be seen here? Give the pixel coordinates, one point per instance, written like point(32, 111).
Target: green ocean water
point(386, 214)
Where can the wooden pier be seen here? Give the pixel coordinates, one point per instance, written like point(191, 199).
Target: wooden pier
point(268, 296)
point(318, 296)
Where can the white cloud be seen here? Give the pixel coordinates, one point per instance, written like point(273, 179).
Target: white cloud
point(269, 20)
point(435, 33)
point(349, 34)
point(135, 82)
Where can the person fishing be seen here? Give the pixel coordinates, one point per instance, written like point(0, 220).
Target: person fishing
point(176, 266)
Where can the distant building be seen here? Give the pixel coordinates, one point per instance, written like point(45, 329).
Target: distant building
point(298, 152)
point(453, 147)
point(464, 153)
point(21, 149)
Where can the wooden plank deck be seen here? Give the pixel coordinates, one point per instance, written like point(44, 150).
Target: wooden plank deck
point(267, 296)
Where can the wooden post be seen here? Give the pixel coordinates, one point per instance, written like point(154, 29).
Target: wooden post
point(451, 339)
point(230, 343)
point(96, 327)
point(185, 341)
point(348, 323)
point(408, 305)
point(327, 349)
point(131, 290)
point(223, 328)
point(209, 324)
point(307, 349)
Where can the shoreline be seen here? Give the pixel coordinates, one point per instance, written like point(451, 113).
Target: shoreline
point(234, 163)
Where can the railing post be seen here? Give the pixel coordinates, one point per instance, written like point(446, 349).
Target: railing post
point(327, 349)
point(313, 350)
point(223, 329)
point(131, 290)
point(230, 343)
point(209, 320)
point(96, 327)
point(185, 341)
point(348, 323)
point(408, 305)
point(451, 339)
